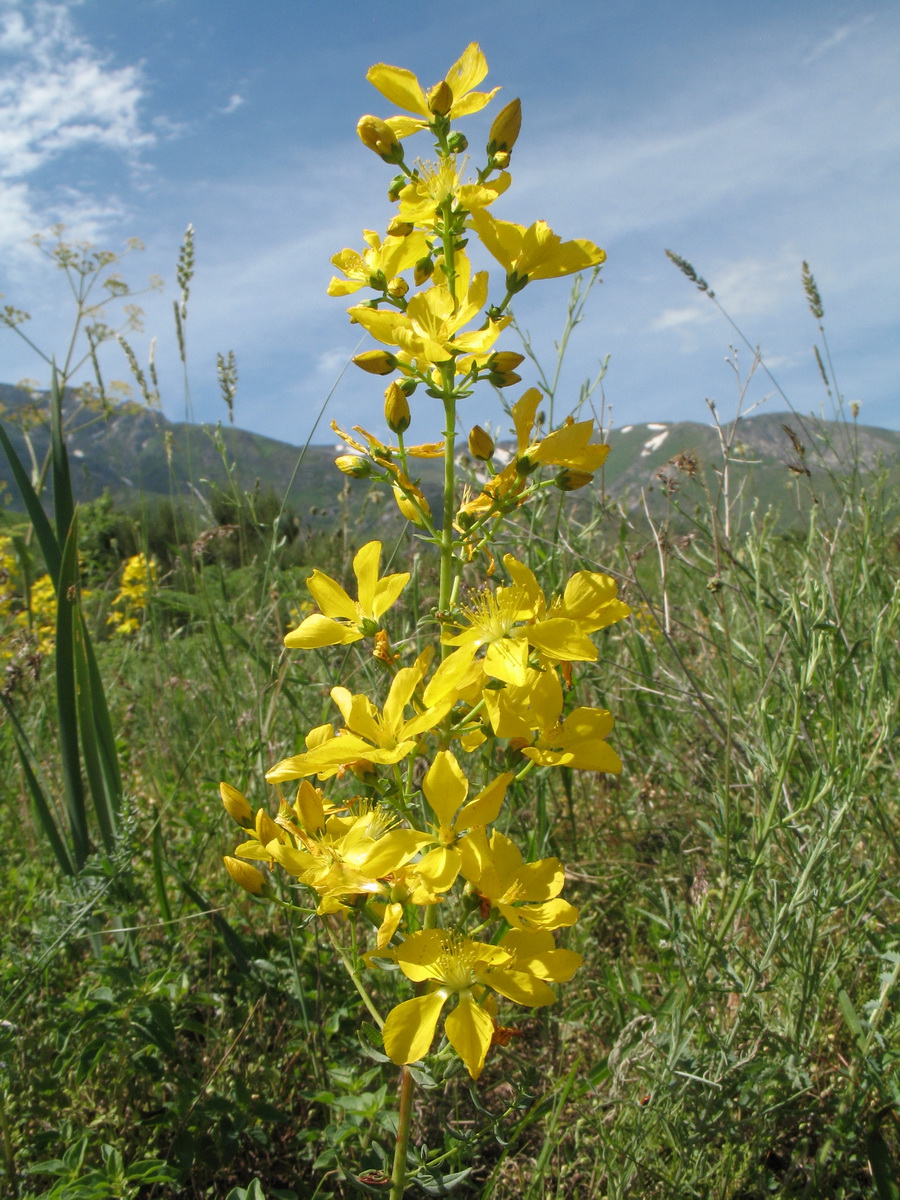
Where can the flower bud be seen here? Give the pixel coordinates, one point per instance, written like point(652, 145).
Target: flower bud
point(236, 804)
point(398, 228)
point(571, 481)
point(408, 385)
point(440, 98)
point(245, 875)
point(266, 829)
point(398, 183)
point(481, 444)
point(396, 408)
point(354, 465)
point(376, 362)
point(502, 379)
point(457, 142)
point(412, 511)
point(501, 159)
point(378, 136)
point(506, 360)
point(505, 131)
point(397, 287)
point(423, 270)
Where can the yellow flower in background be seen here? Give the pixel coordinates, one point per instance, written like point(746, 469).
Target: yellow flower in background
point(453, 965)
point(533, 253)
point(343, 620)
point(128, 608)
point(377, 265)
point(453, 97)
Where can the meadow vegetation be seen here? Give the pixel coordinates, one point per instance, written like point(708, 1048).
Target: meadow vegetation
point(733, 1031)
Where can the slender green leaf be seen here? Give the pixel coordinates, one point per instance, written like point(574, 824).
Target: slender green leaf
point(66, 697)
point(159, 878)
point(104, 806)
point(63, 500)
point(43, 530)
point(884, 1171)
point(42, 810)
point(106, 741)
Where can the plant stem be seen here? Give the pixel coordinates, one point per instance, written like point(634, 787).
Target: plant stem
point(398, 1174)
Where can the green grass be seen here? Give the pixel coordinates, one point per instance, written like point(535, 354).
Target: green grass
point(733, 1032)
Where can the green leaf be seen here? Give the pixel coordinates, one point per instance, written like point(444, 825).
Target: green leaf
point(43, 530)
point(884, 1171)
point(67, 699)
point(42, 809)
point(63, 500)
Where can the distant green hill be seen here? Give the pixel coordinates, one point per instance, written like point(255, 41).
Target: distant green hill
point(778, 460)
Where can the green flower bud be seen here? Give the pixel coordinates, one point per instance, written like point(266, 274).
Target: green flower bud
point(571, 481)
point(423, 270)
point(354, 465)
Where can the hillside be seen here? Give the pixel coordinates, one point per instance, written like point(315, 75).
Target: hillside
point(778, 460)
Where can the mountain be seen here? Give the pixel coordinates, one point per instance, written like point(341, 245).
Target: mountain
point(781, 460)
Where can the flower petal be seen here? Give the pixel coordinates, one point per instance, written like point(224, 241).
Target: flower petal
point(469, 1030)
point(409, 1029)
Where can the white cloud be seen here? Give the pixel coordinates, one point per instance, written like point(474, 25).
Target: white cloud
point(677, 318)
point(58, 94)
point(835, 39)
point(234, 102)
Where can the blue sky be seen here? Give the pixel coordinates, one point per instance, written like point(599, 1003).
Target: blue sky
point(745, 137)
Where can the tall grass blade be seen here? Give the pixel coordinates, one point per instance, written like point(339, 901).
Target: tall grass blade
point(884, 1172)
point(63, 499)
point(67, 698)
point(105, 804)
point(42, 810)
point(103, 730)
point(43, 530)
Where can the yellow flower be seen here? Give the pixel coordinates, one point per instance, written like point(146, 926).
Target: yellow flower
point(384, 737)
point(434, 184)
point(508, 623)
point(342, 620)
point(531, 713)
point(526, 894)
point(429, 330)
point(402, 88)
point(377, 265)
point(533, 253)
point(451, 964)
point(344, 857)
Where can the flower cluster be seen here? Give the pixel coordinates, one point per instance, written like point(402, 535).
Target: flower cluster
point(130, 603)
point(27, 608)
point(400, 822)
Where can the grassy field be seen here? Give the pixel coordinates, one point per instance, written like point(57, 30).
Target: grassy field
point(734, 1030)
